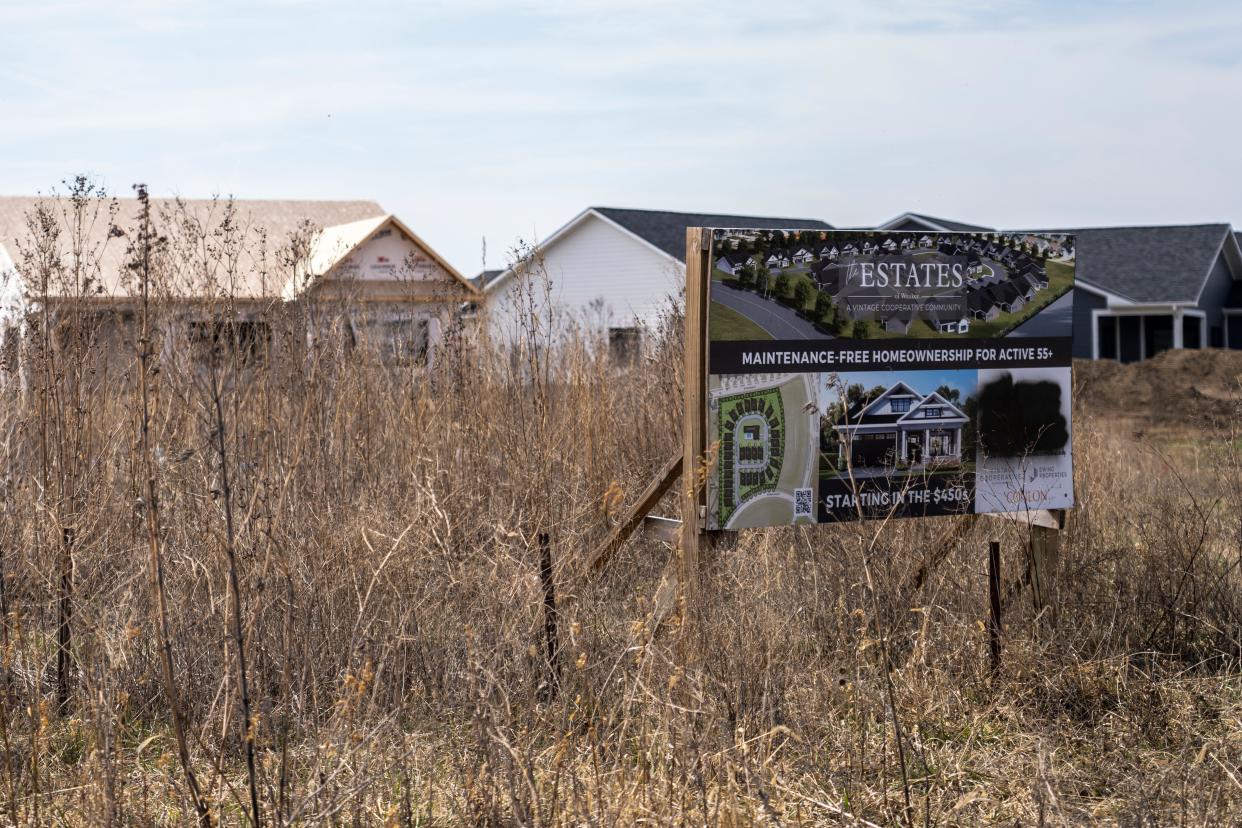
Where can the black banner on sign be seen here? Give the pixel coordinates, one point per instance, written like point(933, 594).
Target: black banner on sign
point(841, 355)
point(895, 496)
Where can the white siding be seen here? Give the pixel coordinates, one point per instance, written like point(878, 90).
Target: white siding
point(390, 256)
point(600, 276)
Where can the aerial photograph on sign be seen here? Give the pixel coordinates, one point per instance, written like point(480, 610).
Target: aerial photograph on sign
point(766, 426)
point(819, 284)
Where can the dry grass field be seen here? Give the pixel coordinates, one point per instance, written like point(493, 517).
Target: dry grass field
point(352, 627)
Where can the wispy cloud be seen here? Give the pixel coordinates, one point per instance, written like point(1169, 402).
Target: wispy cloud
point(493, 116)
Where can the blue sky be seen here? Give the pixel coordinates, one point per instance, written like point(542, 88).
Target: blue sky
point(496, 119)
point(924, 382)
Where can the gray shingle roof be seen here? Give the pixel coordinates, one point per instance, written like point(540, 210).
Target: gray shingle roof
point(959, 226)
point(483, 277)
point(1148, 264)
point(667, 231)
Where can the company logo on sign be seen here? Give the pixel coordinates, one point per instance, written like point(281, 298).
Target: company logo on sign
point(906, 273)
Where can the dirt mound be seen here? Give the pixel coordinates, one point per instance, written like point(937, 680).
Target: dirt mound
point(1201, 388)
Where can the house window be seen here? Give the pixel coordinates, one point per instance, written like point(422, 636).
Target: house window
point(900, 405)
point(932, 412)
point(1106, 337)
point(944, 442)
point(624, 344)
point(246, 338)
point(404, 340)
point(1157, 335)
point(1191, 331)
point(8, 350)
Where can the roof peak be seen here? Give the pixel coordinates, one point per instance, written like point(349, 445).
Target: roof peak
point(650, 211)
point(1222, 226)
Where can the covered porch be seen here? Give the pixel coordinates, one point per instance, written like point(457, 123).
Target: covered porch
point(931, 445)
point(1133, 333)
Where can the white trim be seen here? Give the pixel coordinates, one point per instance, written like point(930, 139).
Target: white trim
point(564, 228)
point(943, 403)
point(1175, 310)
point(1226, 313)
point(637, 237)
point(889, 393)
point(547, 243)
point(1235, 248)
point(297, 286)
point(1161, 309)
point(1220, 248)
point(1079, 282)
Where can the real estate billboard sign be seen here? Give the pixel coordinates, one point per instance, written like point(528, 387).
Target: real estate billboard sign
point(855, 374)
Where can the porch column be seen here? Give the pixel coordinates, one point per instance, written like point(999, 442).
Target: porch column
point(434, 337)
point(901, 444)
point(1177, 329)
point(926, 444)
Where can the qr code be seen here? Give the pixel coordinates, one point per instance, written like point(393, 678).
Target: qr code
point(803, 501)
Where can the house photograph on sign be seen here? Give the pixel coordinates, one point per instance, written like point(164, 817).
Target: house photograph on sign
point(868, 374)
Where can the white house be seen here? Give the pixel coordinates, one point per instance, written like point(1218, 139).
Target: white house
point(386, 286)
point(901, 425)
point(611, 270)
point(732, 263)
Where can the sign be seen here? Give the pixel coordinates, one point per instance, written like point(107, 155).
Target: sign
point(869, 374)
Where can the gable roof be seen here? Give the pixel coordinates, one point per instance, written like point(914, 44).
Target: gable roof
point(925, 222)
point(734, 257)
point(265, 227)
point(663, 231)
point(938, 401)
point(331, 245)
point(980, 299)
point(1157, 265)
point(858, 412)
point(666, 231)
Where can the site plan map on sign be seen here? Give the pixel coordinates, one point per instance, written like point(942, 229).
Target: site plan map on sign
point(856, 374)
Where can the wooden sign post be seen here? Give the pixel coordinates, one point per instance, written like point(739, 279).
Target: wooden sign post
point(694, 422)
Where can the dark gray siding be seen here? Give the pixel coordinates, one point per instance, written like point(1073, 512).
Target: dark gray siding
point(1215, 293)
point(1084, 303)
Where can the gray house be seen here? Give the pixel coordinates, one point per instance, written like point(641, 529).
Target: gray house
point(1143, 290)
point(1138, 290)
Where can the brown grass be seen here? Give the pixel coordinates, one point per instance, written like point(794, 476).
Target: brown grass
point(384, 529)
